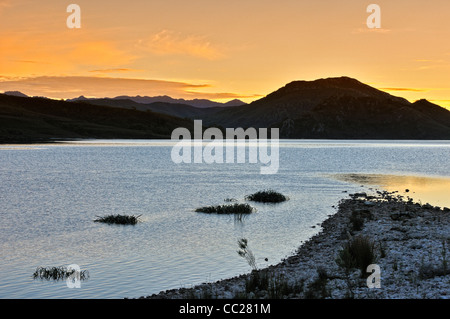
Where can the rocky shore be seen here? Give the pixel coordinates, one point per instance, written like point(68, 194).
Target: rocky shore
point(409, 242)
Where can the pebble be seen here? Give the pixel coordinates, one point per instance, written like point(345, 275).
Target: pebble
point(409, 244)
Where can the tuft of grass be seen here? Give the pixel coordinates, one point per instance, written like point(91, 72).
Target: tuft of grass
point(57, 273)
point(227, 209)
point(118, 219)
point(359, 252)
point(267, 196)
point(270, 285)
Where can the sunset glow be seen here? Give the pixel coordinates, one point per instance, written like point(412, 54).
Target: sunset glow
point(222, 50)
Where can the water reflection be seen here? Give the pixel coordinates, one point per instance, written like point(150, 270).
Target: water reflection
point(424, 189)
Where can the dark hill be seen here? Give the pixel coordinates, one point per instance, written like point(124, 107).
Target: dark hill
point(37, 119)
point(333, 108)
point(198, 103)
point(337, 108)
point(349, 117)
point(173, 109)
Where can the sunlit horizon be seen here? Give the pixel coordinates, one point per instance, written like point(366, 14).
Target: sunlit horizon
point(222, 51)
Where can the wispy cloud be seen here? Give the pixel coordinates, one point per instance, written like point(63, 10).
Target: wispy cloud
point(403, 89)
point(429, 64)
point(58, 53)
point(365, 30)
point(217, 96)
point(4, 4)
point(29, 61)
point(118, 70)
point(429, 60)
point(169, 42)
point(72, 86)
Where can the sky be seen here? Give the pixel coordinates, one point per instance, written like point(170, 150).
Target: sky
point(222, 50)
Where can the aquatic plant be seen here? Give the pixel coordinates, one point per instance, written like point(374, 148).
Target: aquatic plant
point(118, 219)
point(267, 196)
point(227, 209)
point(58, 273)
point(246, 253)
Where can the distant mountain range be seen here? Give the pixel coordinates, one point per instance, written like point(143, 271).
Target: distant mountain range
point(332, 108)
point(199, 103)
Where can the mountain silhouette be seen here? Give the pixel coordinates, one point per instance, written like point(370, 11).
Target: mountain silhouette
point(172, 109)
point(31, 119)
point(198, 103)
point(332, 108)
point(15, 93)
point(338, 108)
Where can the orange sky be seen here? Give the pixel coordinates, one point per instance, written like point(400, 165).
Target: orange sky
point(222, 49)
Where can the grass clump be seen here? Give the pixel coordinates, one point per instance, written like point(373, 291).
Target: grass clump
point(227, 209)
point(262, 282)
point(58, 273)
point(267, 196)
point(118, 219)
point(265, 284)
point(359, 252)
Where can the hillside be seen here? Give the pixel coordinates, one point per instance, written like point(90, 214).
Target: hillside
point(338, 108)
point(25, 119)
point(197, 103)
point(173, 109)
point(365, 118)
point(333, 108)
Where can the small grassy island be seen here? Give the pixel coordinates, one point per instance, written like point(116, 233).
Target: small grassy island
point(118, 219)
point(267, 196)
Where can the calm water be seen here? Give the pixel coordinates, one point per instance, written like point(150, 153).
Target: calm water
point(50, 194)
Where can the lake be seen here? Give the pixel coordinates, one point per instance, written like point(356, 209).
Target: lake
point(51, 193)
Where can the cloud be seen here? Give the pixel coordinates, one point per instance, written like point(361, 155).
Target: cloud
point(62, 87)
point(429, 64)
point(171, 43)
point(403, 89)
point(28, 61)
point(368, 30)
point(429, 60)
point(54, 53)
point(4, 4)
point(219, 96)
point(119, 70)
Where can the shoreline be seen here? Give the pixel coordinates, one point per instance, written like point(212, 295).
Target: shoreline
point(410, 241)
point(52, 140)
